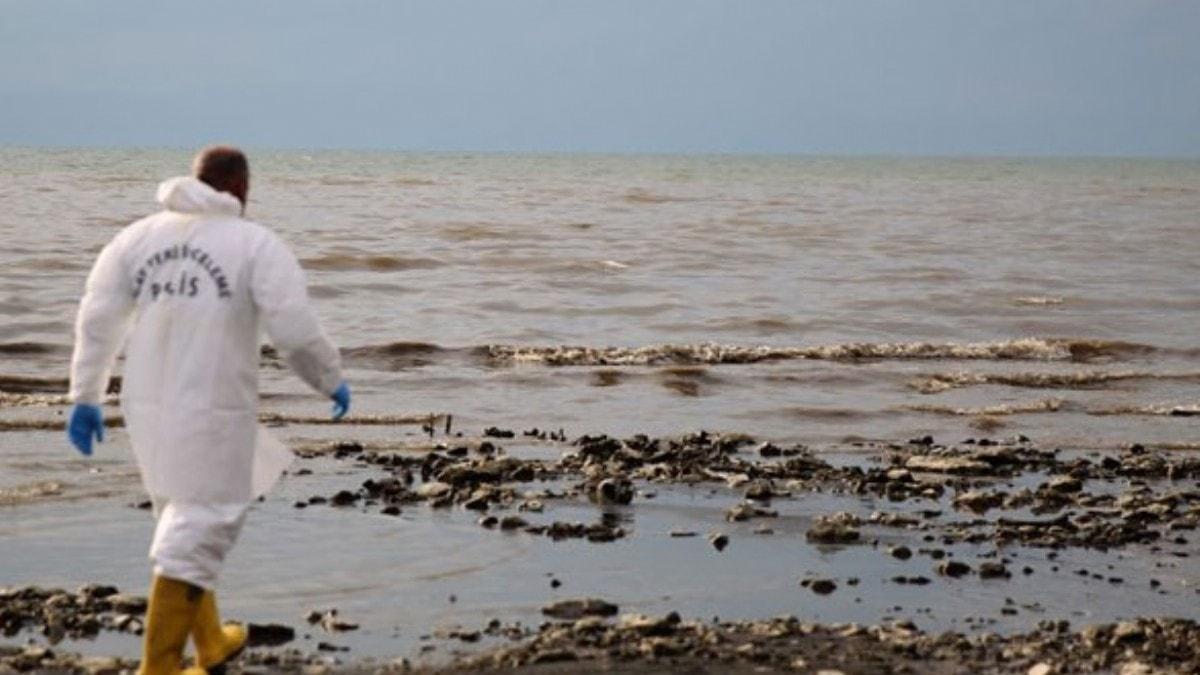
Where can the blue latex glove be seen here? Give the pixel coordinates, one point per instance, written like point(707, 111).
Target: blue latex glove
point(341, 401)
point(86, 422)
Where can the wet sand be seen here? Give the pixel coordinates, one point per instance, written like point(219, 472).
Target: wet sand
point(525, 548)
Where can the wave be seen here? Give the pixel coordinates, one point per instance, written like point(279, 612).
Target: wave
point(394, 349)
point(30, 492)
point(474, 232)
point(48, 264)
point(272, 418)
point(1176, 445)
point(642, 196)
point(1024, 349)
point(413, 181)
point(1049, 405)
point(52, 425)
point(1038, 300)
point(827, 414)
point(396, 354)
point(345, 181)
point(937, 383)
point(767, 325)
point(1053, 405)
point(342, 262)
point(11, 400)
point(269, 418)
point(33, 348)
point(23, 384)
point(607, 378)
point(711, 353)
point(1155, 410)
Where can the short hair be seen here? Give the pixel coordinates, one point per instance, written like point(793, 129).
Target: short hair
point(221, 166)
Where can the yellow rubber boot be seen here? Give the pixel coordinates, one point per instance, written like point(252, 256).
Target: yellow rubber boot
point(216, 644)
point(169, 617)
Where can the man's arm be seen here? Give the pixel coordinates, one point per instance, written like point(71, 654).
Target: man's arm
point(100, 327)
point(280, 291)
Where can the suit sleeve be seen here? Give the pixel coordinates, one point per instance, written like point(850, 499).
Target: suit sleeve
point(100, 326)
point(280, 292)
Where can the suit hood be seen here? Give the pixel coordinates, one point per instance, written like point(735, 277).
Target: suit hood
point(185, 194)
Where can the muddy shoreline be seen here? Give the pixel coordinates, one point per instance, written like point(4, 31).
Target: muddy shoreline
point(970, 512)
point(635, 643)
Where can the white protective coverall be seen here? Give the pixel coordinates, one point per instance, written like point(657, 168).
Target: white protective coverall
point(192, 287)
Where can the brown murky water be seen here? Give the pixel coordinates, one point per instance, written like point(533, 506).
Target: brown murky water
point(817, 297)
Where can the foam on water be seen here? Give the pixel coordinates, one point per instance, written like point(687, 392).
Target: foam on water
point(1037, 300)
point(1046, 405)
point(30, 492)
point(1024, 349)
point(1153, 410)
point(11, 400)
point(938, 383)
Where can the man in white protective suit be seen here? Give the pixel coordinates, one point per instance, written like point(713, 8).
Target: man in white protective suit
point(188, 292)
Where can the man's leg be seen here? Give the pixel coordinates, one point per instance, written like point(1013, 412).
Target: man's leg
point(190, 544)
point(215, 643)
point(169, 617)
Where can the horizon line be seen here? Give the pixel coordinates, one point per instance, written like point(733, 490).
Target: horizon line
point(618, 153)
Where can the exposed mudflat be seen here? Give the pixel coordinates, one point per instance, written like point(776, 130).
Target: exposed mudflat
point(694, 553)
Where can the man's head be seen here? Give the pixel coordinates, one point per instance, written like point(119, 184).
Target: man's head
point(225, 169)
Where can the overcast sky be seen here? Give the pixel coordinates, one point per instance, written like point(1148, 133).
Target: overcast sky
point(1090, 77)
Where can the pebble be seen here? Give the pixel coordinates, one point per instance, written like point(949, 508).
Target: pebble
point(434, 489)
point(948, 465)
point(513, 523)
point(821, 586)
point(344, 498)
point(833, 530)
point(718, 540)
point(329, 621)
point(577, 608)
point(269, 634)
point(953, 568)
point(993, 570)
point(746, 511)
point(618, 490)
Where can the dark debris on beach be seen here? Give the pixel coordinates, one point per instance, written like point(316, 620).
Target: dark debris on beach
point(1098, 501)
point(1159, 495)
point(594, 642)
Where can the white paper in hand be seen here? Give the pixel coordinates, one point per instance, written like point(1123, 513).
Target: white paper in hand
point(270, 459)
